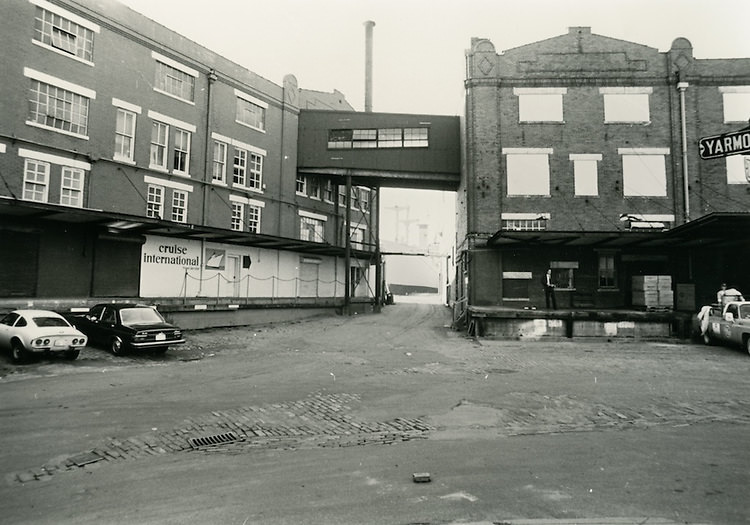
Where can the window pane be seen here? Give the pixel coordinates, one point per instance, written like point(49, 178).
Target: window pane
point(71, 190)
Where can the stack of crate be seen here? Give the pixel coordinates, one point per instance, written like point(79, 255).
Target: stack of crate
point(653, 292)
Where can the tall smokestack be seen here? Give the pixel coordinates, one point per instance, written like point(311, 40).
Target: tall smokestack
point(368, 65)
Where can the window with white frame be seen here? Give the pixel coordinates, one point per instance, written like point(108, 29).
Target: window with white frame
point(301, 185)
point(524, 221)
point(342, 195)
point(155, 201)
point(328, 191)
point(181, 157)
point(313, 188)
point(238, 216)
point(175, 79)
point(61, 106)
point(626, 104)
point(179, 205)
point(364, 199)
point(35, 180)
point(125, 135)
point(255, 179)
point(311, 228)
point(253, 218)
point(644, 172)
point(63, 31)
point(355, 198)
point(540, 104)
point(71, 187)
point(527, 171)
point(159, 143)
point(357, 236)
point(250, 111)
point(239, 172)
point(738, 169)
point(390, 138)
point(585, 173)
point(416, 137)
point(364, 138)
point(736, 103)
point(219, 173)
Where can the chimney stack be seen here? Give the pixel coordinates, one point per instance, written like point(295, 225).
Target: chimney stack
point(368, 65)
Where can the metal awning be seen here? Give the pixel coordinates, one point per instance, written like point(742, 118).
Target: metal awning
point(33, 215)
point(614, 239)
point(716, 230)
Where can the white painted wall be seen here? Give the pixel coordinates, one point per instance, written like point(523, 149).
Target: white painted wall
point(184, 268)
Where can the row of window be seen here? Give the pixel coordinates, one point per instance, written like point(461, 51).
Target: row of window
point(621, 104)
point(378, 138)
point(312, 228)
point(318, 188)
point(36, 183)
point(69, 34)
point(644, 171)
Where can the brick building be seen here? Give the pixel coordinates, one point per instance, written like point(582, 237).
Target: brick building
point(136, 163)
point(582, 156)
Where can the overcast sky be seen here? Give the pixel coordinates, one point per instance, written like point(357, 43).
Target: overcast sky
point(419, 45)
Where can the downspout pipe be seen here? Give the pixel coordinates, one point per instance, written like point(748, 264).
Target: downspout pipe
point(682, 87)
point(208, 175)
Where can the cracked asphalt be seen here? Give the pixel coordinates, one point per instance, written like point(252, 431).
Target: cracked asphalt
point(327, 421)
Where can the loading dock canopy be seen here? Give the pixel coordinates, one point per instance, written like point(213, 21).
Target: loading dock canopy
point(32, 215)
point(716, 230)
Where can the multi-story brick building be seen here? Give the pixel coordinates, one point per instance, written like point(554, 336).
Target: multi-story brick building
point(136, 163)
point(582, 156)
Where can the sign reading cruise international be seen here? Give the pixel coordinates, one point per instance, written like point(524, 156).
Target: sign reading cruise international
point(171, 253)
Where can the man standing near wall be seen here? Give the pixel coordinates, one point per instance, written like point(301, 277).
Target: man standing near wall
point(549, 290)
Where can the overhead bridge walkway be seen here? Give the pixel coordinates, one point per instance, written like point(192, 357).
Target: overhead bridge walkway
point(381, 149)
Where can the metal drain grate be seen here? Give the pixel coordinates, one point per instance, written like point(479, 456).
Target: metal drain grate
point(218, 439)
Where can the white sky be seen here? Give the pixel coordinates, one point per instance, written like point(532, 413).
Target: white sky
point(419, 45)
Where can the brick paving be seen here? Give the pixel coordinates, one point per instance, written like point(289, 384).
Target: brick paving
point(320, 420)
point(325, 420)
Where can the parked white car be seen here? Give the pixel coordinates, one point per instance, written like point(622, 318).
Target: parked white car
point(31, 332)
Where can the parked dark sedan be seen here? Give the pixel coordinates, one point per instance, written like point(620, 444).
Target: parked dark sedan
point(123, 327)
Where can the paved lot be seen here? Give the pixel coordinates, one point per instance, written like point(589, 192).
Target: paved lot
point(326, 421)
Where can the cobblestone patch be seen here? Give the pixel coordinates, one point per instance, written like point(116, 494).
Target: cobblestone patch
point(320, 420)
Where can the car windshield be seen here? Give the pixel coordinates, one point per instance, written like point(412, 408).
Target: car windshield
point(44, 322)
point(140, 316)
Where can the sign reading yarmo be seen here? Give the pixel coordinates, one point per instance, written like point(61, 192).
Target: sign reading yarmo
point(717, 146)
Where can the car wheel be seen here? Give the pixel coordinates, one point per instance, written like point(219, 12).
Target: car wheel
point(18, 352)
point(747, 344)
point(72, 355)
point(116, 346)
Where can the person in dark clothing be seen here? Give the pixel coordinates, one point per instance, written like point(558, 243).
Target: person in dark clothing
point(549, 290)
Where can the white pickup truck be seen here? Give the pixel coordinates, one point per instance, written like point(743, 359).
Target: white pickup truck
point(729, 324)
